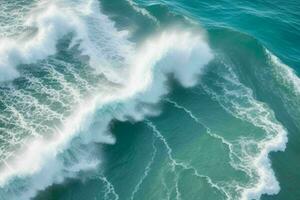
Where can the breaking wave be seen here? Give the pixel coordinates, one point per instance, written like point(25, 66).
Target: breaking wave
point(125, 77)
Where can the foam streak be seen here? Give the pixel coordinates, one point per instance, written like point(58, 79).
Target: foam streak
point(184, 166)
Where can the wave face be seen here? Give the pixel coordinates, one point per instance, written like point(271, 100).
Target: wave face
point(147, 100)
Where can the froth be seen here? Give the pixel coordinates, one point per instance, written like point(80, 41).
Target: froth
point(55, 19)
point(285, 72)
point(238, 100)
point(141, 75)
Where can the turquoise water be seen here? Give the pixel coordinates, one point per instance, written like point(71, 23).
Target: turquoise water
point(149, 100)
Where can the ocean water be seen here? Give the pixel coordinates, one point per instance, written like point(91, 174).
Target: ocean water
point(149, 99)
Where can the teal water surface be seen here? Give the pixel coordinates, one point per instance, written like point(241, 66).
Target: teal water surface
point(229, 130)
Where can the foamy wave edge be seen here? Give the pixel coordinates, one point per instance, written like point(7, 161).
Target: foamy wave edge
point(180, 53)
point(268, 183)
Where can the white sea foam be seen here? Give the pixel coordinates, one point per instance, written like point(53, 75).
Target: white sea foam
point(146, 172)
point(109, 189)
point(142, 79)
point(231, 147)
point(51, 25)
point(285, 73)
point(239, 100)
point(55, 19)
point(285, 85)
point(143, 11)
point(182, 165)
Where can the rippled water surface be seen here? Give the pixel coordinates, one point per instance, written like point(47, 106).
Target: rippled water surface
point(154, 99)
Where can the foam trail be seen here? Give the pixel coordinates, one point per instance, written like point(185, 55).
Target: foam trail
point(130, 77)
point(175, 163)
point(197, 120)
point(59, 21)
point(150, 64)
point(238, 100)
point(186, 110)
point(286, 85)
point(286, 73)
point(168, 192)
point(53, 20)
point(146, 172)
point(229, 145)
point(109, 189)
point(143, 11)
